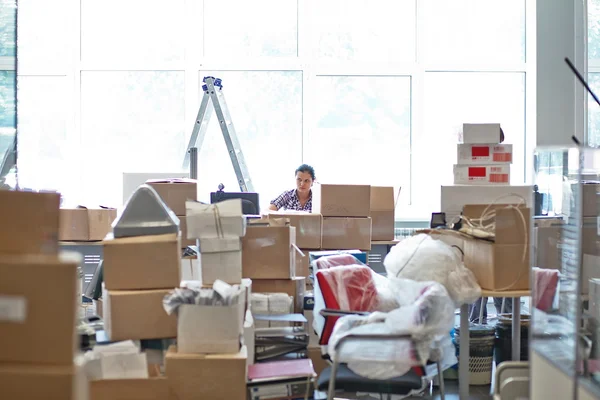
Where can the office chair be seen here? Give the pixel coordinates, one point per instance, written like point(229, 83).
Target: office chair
point(351, 290)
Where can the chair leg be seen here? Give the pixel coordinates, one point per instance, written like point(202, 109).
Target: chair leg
point(331, 388)
point(441, 379)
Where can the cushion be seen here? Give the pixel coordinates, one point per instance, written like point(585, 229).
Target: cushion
point(348, 381)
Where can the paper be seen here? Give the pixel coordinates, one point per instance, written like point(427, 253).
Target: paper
point(13, 308)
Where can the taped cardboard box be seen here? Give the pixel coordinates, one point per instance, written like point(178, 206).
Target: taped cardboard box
point(346, 233)
point(130, 389)
point(137, 314)
point(142, 262)
point(30, 222)
point(44, 382)
point(206, 376)
point(220, 220)
point(308, 227)
point(382, 213)
point(268, 252)
point(39, 298)
point(295, 288)
point(175, 192)
point(341, 200)
point(83, 224)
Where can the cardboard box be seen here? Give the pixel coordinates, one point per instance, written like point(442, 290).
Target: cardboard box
point(39, 297)
point(303, 264)
point(222, 335)
point(43, 382)
point(226, 266)
point(190, 269)
point(249, 337)
point(482, 133)
point(590, 198)
point(83, 224)
point(382, 213)
point(547, 251)
point(268, 252)
point(341, 200)
point(29, 222)
point(206, 376)
point(185, 242)
point(137, 314)
point(590, 242)
point(221, 220)
point(130, 389)
point(313, 338)
point(98, 304)
point(308, 227)
point(590, 270)
point(468, 154)
point(317, 359)
point(482, 174)
point(512, 226)
point(175, 192)
point(346, 233)
point(295, 288)
point(142, 262)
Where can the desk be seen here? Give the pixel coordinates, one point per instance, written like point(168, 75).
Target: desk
point(463, 357)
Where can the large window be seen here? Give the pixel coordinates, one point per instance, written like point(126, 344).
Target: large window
point(7, 77)
point(593, 25)
point(365, 91)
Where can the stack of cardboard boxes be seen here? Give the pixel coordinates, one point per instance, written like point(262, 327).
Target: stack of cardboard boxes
point(39, 302)
point(211, 359)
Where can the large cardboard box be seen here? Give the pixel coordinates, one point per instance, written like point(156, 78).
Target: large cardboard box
point(225, 266)
point(341, 200)
point(382, 213)
point(469, 154)
point(346, 233)
point(39, 297)
point(83, 224)
point(130, 389)
point(308, 227)
point(222, 335)
point(185, 242)
point(43, 382)
point(175, 192)
point(482, 133)
point(268, 252)
point(295, 288)
point(137, 314)
point(29, 222)
point(503, 264)
point(547, 247)
point(482, 174)
point(206, 376)
point(142, 262)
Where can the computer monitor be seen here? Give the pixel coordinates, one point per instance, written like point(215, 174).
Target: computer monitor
point(250, 204)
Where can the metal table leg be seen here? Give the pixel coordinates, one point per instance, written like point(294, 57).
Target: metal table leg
point(463, 361)
point(516, 329)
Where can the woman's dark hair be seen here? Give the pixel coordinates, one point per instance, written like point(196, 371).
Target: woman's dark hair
point(306, 169)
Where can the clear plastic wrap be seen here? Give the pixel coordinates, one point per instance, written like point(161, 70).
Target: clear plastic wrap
point(423, 258)
point(426, 313)
point(546, 284)
point(337, 260)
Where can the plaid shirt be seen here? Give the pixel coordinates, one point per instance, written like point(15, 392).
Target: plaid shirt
point(288, 200)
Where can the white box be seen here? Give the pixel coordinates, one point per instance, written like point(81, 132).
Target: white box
point(226, 266)
point(210, 329)
point(482, 174)
point(455, 197)
point(470, 154)
point(481, 133)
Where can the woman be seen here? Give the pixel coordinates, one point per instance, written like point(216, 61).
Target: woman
point(299, 199)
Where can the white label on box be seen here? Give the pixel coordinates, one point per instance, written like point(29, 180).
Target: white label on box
point(13, 308)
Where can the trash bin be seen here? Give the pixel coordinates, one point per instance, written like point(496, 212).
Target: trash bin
point(504, 338)
point(481, 352)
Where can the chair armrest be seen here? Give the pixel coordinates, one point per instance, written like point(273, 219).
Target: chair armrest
point(372, 336)
point(328, 312)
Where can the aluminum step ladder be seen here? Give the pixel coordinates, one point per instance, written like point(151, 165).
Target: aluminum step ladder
point(214, 100)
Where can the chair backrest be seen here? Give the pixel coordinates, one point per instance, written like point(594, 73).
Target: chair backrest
point(347, 288)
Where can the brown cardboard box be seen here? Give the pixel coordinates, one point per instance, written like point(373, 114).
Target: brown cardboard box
point(98, 305)
point(130, 389)
point(382, 213)
point(510, 227)
point(303, 263)
point(589, 237)
point(85, 224)
point(341, 200)
point(29, 222)
point(206, 376)
point(38, 299)
point(142, 262)
point(137, 314)
point(175, 192)
point(293, 287)
point(315, 356)
point(308, 227)
point(346, 233)
point(268, 252)
point(43, 382)
point(548, 254)
point(185, 242)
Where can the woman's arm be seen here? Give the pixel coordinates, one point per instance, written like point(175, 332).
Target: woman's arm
point(273, 207)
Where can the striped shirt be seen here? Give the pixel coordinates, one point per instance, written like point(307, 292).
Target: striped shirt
point(289, 200)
